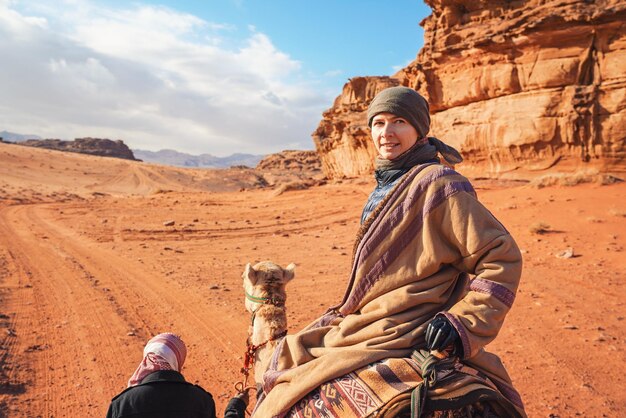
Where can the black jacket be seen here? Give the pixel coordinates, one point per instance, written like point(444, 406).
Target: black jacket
point(166, 394)
point(385, 181)
point(163, 394)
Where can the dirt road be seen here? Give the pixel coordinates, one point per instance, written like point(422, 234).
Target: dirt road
point(78, 304)
point(82, 314)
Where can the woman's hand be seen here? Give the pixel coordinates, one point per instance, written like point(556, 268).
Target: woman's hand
point(440, 334)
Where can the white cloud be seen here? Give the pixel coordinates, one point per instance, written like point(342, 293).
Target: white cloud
point(333, 73)
point(17, 25)
point(152, 76)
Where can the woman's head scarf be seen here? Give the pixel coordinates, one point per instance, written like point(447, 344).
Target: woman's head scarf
point(403, 102)
point(163, 352)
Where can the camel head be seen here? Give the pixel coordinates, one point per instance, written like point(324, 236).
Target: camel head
point(264, 283)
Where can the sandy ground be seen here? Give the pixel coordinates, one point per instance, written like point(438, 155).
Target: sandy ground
point(88, 272)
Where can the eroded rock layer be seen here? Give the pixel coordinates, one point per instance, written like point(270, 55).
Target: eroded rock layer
point(92, 146)
point(512, 84)
point(289, 160)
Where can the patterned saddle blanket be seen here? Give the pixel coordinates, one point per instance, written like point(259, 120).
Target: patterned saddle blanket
point(360, 393)
point(387, 389)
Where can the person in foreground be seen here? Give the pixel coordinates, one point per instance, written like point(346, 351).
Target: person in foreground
point(433, 271)
point(157, 389)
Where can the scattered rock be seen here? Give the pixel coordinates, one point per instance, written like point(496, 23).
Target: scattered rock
point(169, 223)
point(567, 253)
point(572, 327)
point(36, 347)
point(214, 287)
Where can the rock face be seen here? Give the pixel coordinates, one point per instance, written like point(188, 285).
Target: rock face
point(92, 146)
point(512, 85)
point(299, 161)
point(291, 170)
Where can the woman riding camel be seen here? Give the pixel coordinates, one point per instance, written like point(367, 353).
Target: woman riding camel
point(432, 269)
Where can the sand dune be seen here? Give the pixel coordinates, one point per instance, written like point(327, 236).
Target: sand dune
point(88, 272)
point(34, 174)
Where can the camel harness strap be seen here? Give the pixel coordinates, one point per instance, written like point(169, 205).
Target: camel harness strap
point(251, 349)
point(265, 300)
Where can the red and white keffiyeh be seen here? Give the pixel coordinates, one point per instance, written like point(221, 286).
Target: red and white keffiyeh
point(163, 352)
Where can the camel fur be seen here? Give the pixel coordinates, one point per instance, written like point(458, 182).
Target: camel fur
point(266, 281)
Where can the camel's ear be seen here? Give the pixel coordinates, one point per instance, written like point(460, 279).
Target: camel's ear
point(289, 272)
point(250, 274)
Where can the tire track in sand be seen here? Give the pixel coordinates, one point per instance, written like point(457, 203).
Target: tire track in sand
point(72, 371)
point(15, 295)
point(87, 299)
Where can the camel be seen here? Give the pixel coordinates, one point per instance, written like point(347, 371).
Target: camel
point(264, 285)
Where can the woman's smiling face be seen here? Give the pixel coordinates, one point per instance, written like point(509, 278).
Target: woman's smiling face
point(392, 135)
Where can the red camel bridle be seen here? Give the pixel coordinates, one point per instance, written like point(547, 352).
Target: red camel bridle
point(251, 349)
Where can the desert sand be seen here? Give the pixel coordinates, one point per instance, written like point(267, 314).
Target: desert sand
point(89, 272)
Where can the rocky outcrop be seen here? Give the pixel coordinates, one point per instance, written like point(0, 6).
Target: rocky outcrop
point(512, 84)
point(91, 146)
point(291, 170)
point(298, 161)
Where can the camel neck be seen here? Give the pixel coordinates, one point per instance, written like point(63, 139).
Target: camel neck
point(269, 322)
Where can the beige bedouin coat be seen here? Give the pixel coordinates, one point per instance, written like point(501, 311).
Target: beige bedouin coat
point(430, 247)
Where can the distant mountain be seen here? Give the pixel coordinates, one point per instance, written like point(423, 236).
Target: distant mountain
point(13, 137)
point(180, 159)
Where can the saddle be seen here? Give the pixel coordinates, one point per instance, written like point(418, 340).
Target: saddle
point(419, 386)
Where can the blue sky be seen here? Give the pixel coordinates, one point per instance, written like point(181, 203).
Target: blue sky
point(197, 76)
point(333, 38)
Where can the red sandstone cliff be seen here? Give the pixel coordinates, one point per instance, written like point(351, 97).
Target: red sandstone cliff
point(512, 85)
